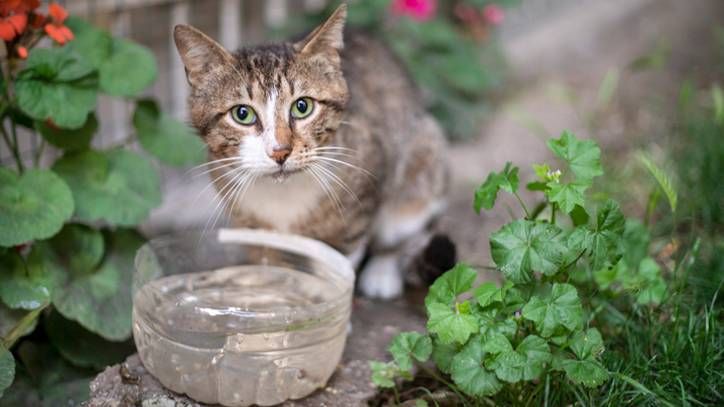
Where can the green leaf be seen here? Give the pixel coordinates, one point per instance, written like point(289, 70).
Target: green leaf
point(76, 139)
point(496, 343)
point(524, 246)
point(83, 348)
point(579, 216)
point(636, 239)
point(383, 374)
point(663, 179)
point(56, 84)
point(118, 186)
point(7, 369)
point(79, 248)
point(488, 293)
point(469, 373)
point(587, 344)
point(27, 283)
point(589, 373)
point(450, 325)
point(442, 355)
point(129, 70)
point(653, 286)
point(451, 284)
point(32, 206)
point(410, 345)
point(92, 44)
point(567, 195)
point(171, 141)
point(582, 156)
point(604, 240)
point(537, 354)
point(57, 64)
point(559, 308)
point(487, 193)
point(101, 301)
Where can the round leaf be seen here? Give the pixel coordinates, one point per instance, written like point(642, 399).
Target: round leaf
point(92, 44)
point(76, 139)
point(101, 301)
point(450, 325)
point(469, 373)
point(119, 187)
point(559, 308)
point(130, 69)
point(523, 246)
point(410, 345)
point(79, 248)
point(27, 283)
point(7, 369)
point(451, 284)
point(171, 141)
point(32, 206)
point(82, 347)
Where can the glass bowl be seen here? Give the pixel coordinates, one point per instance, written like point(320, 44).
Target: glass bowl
point(240, 317)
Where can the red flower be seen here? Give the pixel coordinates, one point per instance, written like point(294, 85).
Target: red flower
point(493, 14)
point(8, 7)
point(12, 26)
point(55, 29)
point(22, 52)
point(419, 10)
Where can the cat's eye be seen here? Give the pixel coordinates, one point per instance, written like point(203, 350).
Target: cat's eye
point(302, 108)
point(243, 114)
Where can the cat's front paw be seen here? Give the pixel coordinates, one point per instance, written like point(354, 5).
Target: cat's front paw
point(381, 278)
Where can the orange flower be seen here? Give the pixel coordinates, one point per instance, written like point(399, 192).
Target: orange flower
point(55, 29)
point(12, 26)
point(22, 52)
point(8, 7)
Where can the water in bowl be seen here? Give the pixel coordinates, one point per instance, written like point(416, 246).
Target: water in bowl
point(192, 333)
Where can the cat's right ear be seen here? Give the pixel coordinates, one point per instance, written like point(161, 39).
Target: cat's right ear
point(199, 53)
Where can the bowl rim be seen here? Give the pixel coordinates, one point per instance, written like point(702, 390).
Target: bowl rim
point(301, 245)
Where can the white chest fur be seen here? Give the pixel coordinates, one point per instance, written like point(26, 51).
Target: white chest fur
point(282, 204)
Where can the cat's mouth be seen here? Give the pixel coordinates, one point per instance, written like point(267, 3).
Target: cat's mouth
point(283, 174)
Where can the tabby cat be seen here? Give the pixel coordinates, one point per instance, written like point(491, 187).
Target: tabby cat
point(324, 137)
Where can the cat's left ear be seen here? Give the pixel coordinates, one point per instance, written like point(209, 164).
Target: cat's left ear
point(327, 37)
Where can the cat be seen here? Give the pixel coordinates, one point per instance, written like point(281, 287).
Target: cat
point(324, 137)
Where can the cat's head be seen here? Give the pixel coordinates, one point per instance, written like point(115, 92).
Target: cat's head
point(268, 106)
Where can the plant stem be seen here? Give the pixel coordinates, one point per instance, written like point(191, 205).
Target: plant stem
point(16, 152)
point(553, 213)
point(439, 378)
point(38, 152)
point(12, 148)
point(22, 326)
point(522, 204)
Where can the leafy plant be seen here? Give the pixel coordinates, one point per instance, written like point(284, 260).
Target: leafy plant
point(66, 231)
point(537, 326)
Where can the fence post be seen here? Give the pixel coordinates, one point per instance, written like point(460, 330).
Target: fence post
point(177, 75)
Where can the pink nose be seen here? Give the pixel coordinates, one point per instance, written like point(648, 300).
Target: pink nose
point(280, 154)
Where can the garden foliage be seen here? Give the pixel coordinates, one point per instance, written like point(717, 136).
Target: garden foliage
point(536, 325)
point(67, 237)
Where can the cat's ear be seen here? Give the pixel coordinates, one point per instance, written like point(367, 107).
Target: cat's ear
point(199, 53)
point(327, 37)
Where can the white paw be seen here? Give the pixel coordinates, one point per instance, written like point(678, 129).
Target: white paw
point(381, 278)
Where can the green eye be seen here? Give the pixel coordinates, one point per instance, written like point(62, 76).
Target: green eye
point(243, 114)
point(302, 108)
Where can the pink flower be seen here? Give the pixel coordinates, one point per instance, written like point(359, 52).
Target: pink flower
point(419, 10)
point(493, 14)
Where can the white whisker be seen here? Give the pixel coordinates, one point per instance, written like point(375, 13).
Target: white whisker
point(345, 163)
point(328, 191)
point(336, 179)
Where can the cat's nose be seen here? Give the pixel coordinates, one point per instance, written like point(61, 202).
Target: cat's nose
point(281, 153)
